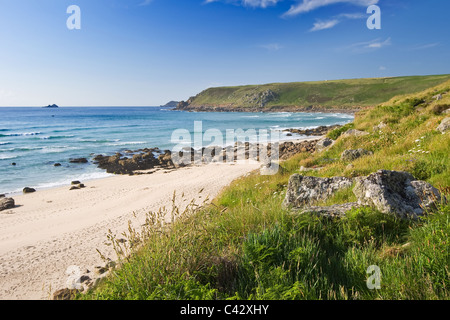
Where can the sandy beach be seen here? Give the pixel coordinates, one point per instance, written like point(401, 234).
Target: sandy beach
point(52, 229)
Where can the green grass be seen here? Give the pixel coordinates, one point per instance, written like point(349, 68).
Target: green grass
point(246, 246)
point(341, 94)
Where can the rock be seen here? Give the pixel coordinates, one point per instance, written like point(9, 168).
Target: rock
point(447, 111)
point(323, 143)
point(14, 164)
point(75, 182)
point(2, 196)
point(304, 169)
point(354, 133)
point(305, 190)
point(99, 270)
point(6, 203)
point(319, 131)
point(57, 165)
point(28, 190)
point(350, 155)
point(437, 97)
point(444, 126)
point(65, 294)
point(331, 211)
point(77, 186)
point(78, 160)
point(380, 126)
point(396, 192)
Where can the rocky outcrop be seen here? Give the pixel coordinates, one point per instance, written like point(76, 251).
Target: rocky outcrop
point(323, 144)
point(304, 190)
point(444, 125)
point(350, 155)
point(288, 149)
point(6, 203)
point(261, 99)
point(78, 160)
point(396, 192)
point(319, 131)
point(142, 159)
point(138, 161)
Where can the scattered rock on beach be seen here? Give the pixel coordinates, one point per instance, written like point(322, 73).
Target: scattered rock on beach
point(28, 190)
point(57, 164)
point(6, 203)
point(77, 186)
point(75, 182)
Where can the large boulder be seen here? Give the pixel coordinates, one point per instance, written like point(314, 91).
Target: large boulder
point(305, 190)
point(6, 203)
point(396, 192)
point(445, 125)
point(350, 155)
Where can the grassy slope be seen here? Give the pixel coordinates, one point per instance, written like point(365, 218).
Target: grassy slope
point(245, 246)
point(343, 94)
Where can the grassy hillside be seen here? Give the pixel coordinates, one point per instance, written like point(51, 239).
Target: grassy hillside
point(337, 94)
point(246, 246)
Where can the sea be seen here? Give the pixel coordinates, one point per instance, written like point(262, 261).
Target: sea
point(33, 139)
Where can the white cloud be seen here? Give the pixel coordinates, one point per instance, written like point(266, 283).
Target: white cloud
point(248, 3)
point(376, 44)
point(322, 25)
point(367, 46)
point(382, 68)
point(310, 5)
point(328, 24)
point(426, 46)
point(260, 3)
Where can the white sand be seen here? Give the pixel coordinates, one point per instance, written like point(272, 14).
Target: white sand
point(53, 229)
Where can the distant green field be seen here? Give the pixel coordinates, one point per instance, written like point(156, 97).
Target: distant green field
point(343, 94)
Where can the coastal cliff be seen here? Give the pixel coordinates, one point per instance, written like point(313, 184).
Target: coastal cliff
point(317, 96)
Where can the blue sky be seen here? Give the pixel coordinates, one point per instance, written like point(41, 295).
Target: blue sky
point(145, 53)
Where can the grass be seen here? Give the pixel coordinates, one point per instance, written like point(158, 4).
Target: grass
point(341, 94)
point(246, 246)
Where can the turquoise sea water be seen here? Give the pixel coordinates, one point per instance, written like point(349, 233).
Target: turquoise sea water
point(36, 138)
